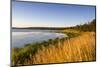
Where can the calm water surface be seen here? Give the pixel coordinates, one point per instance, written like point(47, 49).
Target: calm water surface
point(20, 37)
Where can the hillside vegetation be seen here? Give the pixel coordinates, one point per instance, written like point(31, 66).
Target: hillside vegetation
point(90, 26)
point(79, 46)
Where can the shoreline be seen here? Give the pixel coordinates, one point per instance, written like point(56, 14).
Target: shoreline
point(34, 50)
point(34, 47)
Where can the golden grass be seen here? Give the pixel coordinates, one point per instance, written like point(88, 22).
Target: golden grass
point(80, 48)
point(70, 30)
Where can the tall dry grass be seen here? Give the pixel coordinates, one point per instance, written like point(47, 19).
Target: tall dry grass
point(81, 48)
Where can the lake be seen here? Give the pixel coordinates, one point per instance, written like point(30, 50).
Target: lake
point(20, 37)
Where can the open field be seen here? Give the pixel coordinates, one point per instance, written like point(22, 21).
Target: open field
point(75, 49)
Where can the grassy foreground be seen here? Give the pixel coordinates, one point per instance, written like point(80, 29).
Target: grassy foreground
point(75, 49)
point(80, 48)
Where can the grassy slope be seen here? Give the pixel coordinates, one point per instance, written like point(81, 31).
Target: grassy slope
point(80, 48)
point(21, 55)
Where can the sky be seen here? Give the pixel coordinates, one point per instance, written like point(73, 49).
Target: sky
point(33, 14)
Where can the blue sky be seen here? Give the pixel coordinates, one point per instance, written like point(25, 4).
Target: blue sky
point(26, 14)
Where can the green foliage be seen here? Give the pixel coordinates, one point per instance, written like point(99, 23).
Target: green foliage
point(90, 26)
point(19, 55)
point(70, 35)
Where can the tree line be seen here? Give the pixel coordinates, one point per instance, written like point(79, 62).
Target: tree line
point(90, 26)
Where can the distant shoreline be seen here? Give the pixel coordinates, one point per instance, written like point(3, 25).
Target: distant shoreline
point(43, 28)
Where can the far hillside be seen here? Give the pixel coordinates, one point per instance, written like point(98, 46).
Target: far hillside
point(90, 26)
